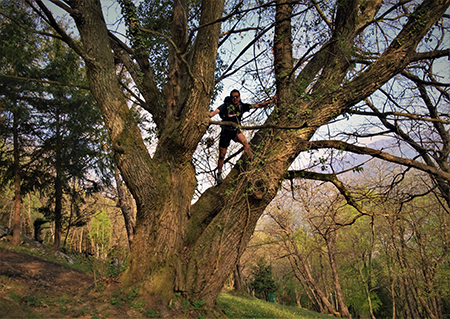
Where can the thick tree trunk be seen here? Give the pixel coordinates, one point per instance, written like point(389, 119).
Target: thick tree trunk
point(193, 250)
point(163, 186)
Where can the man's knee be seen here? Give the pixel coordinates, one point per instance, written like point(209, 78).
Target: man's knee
point(222, 153)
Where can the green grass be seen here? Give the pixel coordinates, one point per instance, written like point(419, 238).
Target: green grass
point(249, 307)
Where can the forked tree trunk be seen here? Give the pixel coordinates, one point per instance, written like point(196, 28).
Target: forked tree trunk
point(193, 249)
point(324, 304)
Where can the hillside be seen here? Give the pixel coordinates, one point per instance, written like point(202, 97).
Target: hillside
point(31, 286)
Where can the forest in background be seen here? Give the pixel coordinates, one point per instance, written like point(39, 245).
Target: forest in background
point(394, 261)
point(386, 254)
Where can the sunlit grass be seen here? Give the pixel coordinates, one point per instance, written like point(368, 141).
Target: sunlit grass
point(249, 307)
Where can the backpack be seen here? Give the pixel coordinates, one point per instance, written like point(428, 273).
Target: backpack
point(224, 112)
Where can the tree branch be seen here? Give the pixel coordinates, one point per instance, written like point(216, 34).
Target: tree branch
point(416, 79)
point(177, 50)
point(322, 15)
point(409, 116)
point(28, 29)
point(340, 145)
point(429, 55)
point(65, 37)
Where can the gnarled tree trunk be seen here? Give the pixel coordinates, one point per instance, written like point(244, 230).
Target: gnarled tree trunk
point(192, 249)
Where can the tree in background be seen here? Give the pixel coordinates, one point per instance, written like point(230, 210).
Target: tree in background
point(391, 261)
point(74, 146)
point(321, 71)
point(20, 52)
point(56, 129)
point(262, 281)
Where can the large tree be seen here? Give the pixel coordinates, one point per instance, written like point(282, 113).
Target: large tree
point(192, 248)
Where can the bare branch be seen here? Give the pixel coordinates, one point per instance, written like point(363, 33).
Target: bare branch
point(225, 75)
point(429, 55)
point(226, 33)
point(415, 79)
point(340, 145)
point(63, 6)
point(322, 15)
point(409, 116)
point(177, 51)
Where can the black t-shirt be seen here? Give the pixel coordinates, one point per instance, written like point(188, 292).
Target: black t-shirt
point(231, 113)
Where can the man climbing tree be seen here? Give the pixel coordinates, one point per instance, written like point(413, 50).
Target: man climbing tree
point(232, 110)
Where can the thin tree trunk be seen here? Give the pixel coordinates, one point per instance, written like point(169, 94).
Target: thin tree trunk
point(330, 241)
point(58, 213)
point(29, 229)
point(17, 196)
point(394, 300)
point(238, 287)
point(68, 226)
point(302, 279)
point(311, 281)
point(405, 287)
point(58, 187)
point(121, 203)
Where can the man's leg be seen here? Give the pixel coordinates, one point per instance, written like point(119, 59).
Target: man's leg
point(222, 154)
point(241, 139)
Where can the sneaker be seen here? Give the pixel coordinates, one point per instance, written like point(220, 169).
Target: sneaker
point(219, 178)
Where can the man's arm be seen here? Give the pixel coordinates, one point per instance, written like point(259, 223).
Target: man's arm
point(216, 111)
point(264, 104)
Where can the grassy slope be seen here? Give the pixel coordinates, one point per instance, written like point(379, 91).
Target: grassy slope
point(248, 307)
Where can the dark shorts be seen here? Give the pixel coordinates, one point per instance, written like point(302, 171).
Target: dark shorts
point(227, 135)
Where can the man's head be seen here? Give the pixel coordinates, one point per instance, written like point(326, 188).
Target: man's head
point(235, 97)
